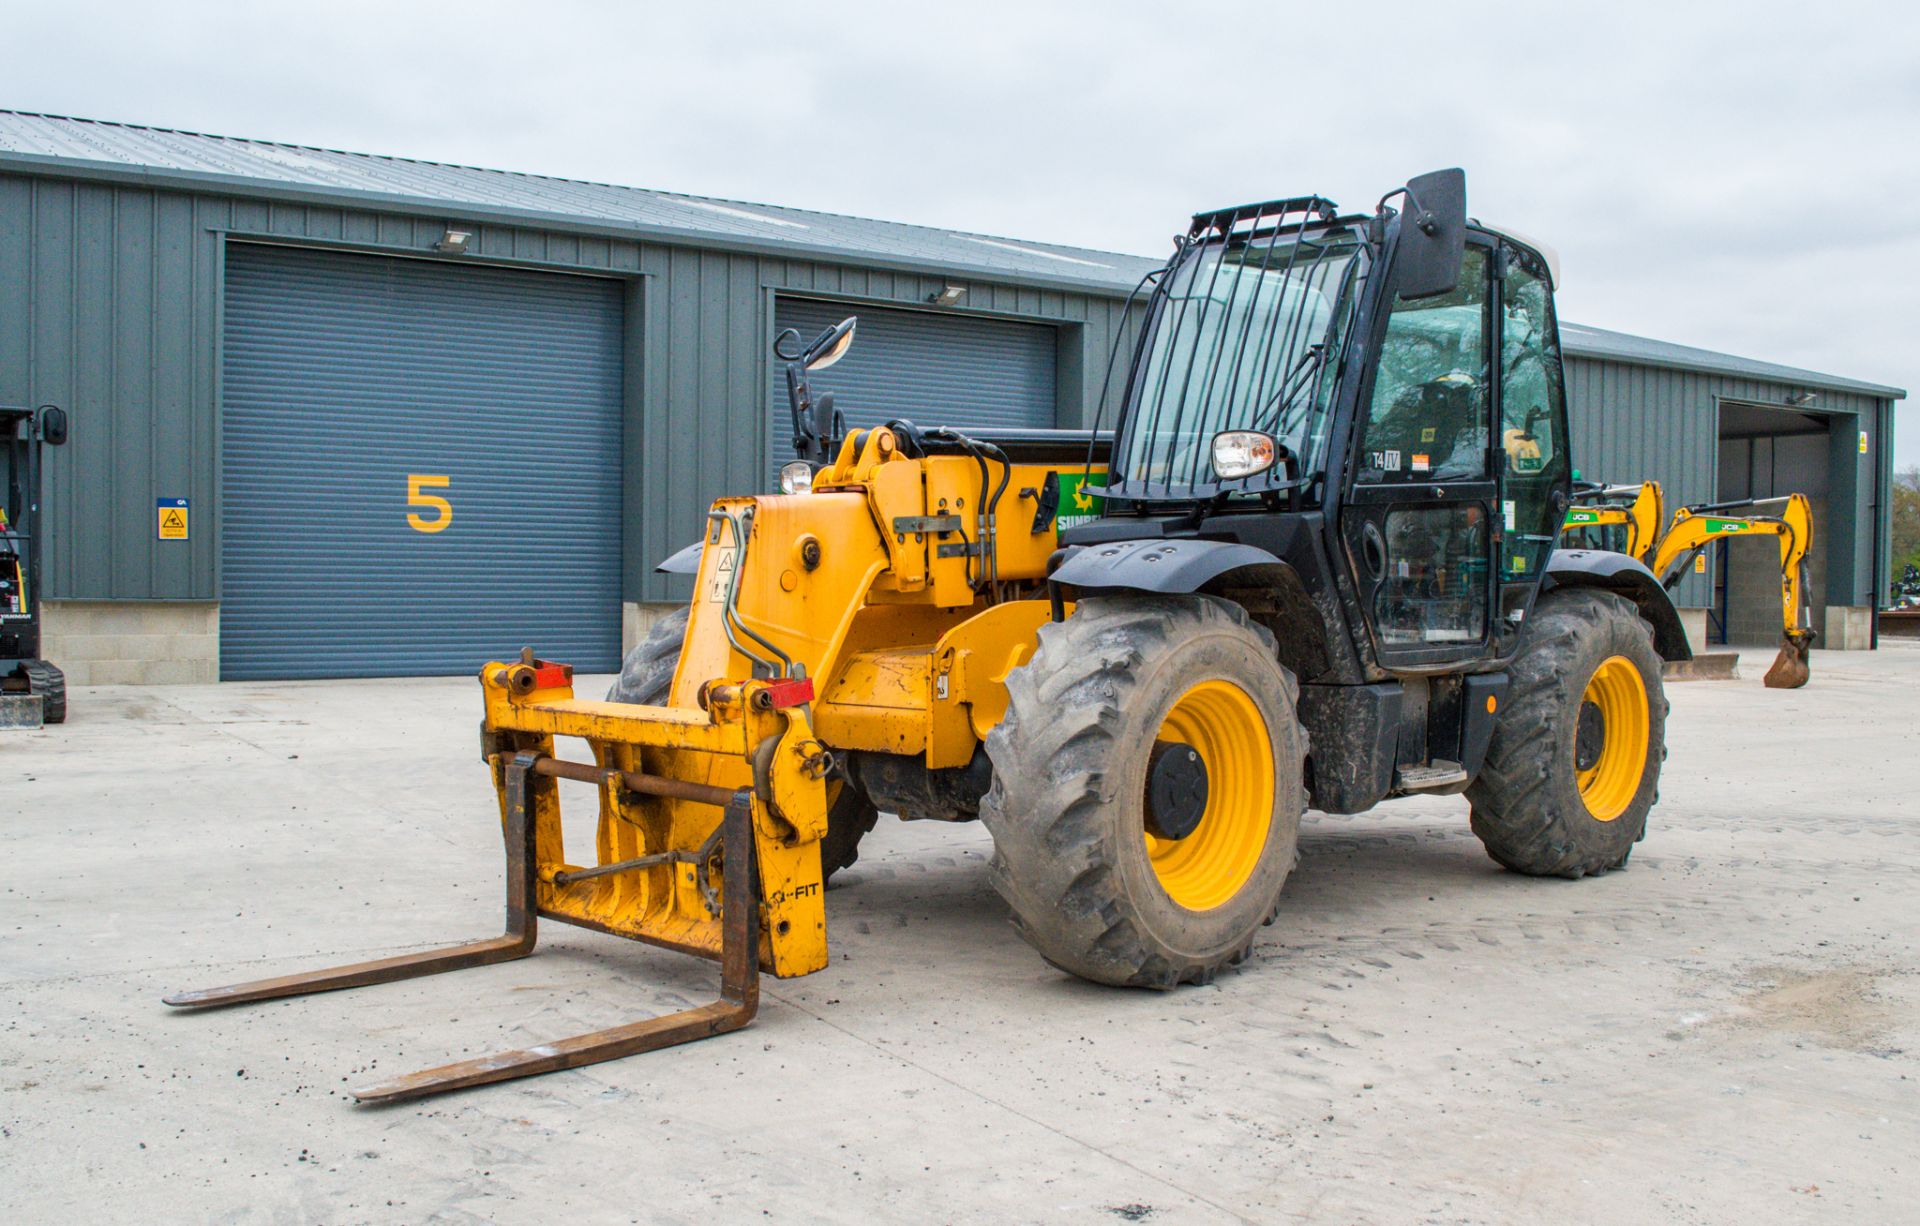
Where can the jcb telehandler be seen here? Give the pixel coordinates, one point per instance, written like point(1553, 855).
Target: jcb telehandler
point(1312, 562)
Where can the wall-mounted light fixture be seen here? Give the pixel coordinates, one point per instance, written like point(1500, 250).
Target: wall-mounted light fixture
point(948, 296)
point(1800, 398)
point(454, 242)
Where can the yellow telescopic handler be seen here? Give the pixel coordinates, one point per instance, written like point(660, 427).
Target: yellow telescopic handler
point(1311, 561)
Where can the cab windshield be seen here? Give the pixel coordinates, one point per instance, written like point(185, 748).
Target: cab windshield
point(1243, 335)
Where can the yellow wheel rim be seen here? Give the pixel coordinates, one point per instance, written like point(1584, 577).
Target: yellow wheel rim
point(1607, 786)
point(1208, 867)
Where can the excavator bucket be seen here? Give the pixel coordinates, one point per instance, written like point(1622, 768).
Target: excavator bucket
point(1790, 670)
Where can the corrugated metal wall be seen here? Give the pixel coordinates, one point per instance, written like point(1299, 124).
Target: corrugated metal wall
point(110, 306)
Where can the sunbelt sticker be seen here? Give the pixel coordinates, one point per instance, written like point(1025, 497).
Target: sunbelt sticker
point(1080, 500)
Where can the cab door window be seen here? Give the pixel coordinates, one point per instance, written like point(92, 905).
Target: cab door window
point(1428, 419)
point(1533, 418)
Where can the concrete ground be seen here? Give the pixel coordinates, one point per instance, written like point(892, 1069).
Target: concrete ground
point(1726, 1032)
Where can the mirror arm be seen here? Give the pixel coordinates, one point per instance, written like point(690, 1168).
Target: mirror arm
point(799, 400)
point(1417, 213)
point(1421, 216)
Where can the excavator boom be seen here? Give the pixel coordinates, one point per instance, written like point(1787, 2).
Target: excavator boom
point(1694, 528)
point(1639, 510)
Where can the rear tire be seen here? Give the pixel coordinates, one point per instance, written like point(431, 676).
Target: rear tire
point(1089, 887)
point(1556, 799)
point(646, 677)
point(647, 673)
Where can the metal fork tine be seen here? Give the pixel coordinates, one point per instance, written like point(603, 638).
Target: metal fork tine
point(517, 942)
point(360, 974)
point(739, 997)
point(630, 1040)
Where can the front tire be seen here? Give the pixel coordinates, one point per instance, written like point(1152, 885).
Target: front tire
point(646, 677)
point(1574, 764)
point(1121, 862)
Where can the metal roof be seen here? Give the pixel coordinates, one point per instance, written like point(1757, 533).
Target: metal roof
point(193, 160)
point(1579, 340)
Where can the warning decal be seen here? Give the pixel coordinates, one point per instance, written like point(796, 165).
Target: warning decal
point(171, 514)
point(723, 574)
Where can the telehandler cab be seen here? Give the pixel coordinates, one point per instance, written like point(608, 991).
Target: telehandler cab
point(1311, 562)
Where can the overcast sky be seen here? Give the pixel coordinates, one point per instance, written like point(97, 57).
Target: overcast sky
point(1742, 177)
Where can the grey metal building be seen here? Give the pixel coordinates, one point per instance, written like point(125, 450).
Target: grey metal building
point(420, 414)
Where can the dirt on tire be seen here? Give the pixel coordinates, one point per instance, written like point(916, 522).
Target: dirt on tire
point(1527, 807)
point(647, 673)
point(1066, 809)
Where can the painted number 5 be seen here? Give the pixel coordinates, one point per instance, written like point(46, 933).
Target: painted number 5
point(417, 485)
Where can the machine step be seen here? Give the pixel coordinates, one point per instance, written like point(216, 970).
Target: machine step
point(1438, 774)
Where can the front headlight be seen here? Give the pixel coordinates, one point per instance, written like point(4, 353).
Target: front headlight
point(796, 477)
point(1242, 453)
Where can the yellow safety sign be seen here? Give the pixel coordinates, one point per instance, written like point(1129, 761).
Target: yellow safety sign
point(723, 574)
point(171, 515)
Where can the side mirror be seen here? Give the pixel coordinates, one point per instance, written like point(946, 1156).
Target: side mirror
point(53, 425)
point(1433, 234)
point(832, 345)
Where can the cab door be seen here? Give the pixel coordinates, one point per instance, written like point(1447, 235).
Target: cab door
point(1419, 520)
point(1535, 470)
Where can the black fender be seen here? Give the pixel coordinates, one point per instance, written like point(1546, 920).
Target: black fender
point(1175, 567)
point(1616, 572)
point(683, 562)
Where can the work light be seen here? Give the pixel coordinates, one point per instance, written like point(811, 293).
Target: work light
point(1242, 453)
point(796, 477)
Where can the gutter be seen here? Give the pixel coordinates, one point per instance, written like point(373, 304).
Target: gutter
point(1786, 375)
point(205, 182)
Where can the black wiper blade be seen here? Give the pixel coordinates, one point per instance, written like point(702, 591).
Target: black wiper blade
point(1302, 376)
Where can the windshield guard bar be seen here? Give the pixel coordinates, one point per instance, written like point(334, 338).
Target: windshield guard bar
point(1200, 492)
point(1224, 221)
point(1181, 362)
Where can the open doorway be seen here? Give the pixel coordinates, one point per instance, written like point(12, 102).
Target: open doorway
point(1768, 452)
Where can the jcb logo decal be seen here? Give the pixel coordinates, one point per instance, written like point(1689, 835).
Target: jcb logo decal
point(417, 485)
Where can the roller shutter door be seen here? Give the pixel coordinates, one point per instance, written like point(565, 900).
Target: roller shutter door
point(490, 398)
point(934, 369)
